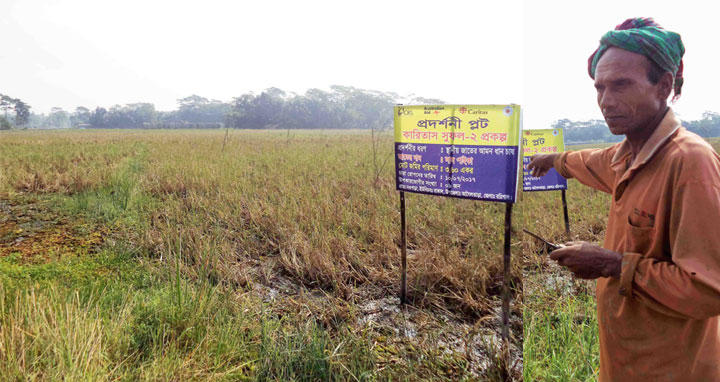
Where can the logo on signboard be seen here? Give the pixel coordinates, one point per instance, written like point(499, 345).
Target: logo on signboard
point(462, 110)
point(433, 109)
point(555, 132)
point(403, 111)
point(508, 111)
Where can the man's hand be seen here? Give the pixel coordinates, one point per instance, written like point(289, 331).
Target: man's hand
point(540, 164)
point(588, 261)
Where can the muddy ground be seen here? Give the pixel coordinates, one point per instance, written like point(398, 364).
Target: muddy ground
point(33, 233)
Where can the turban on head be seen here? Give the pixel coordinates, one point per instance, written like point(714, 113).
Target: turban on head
point(644, 36)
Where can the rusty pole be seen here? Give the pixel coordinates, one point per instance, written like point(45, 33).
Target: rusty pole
point(403, 243)
point(565, 214)
point(506, 275)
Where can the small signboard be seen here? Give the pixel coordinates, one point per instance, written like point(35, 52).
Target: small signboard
point(464, 151)
point(542, 141)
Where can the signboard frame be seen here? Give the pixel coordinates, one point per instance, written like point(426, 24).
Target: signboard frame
point(545, 141)
point(464, 151)
point(513, 126)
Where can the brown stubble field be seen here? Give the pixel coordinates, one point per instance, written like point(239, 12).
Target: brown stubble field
point(275, 258)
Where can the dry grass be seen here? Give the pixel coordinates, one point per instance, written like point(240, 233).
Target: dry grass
point(310, 204)
point(43, 335)
point(266, 209)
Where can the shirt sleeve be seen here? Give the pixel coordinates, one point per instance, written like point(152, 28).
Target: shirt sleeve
point(689, 285)
point(590, 167)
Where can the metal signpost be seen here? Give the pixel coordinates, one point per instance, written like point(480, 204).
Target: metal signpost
point(462, 151)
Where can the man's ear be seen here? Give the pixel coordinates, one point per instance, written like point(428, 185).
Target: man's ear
point(665, 85)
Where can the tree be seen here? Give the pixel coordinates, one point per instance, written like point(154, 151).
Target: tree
point(97, 118)
point(426, 101)
point(140, 113)
point(192, 102)
point(81, 116)
point(22, 113)
point(593, 130)
point(5, 124)
point(240, 112)
point(708, 126)
point(6, 103)
point(268, 107)
point(197, 109)
point(58, 118)
point(130, 116)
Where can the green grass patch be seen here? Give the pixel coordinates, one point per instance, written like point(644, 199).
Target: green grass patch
point(111, 264)
point(561, 336)
point(120, 200)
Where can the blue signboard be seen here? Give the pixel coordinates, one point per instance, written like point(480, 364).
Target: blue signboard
point(544, 141)
point(464, 151)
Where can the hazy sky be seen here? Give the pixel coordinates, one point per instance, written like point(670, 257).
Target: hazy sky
point(100, 53)
point(559, 37)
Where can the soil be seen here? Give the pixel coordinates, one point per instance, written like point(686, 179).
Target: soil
point(395, 326)
point(31, 230)
point(37, 233)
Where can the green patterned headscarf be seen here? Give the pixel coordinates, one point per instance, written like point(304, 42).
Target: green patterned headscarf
point(644, 36)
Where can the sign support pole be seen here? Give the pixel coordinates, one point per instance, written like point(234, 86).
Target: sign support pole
point(505, 351)
point(403, 243)
point(506, 275)
point(565, 213)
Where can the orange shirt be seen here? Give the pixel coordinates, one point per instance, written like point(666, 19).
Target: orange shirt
point(659, 321)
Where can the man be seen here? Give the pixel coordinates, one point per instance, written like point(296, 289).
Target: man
point(658, 287)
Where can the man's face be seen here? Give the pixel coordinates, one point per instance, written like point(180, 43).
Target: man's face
point(627, 99)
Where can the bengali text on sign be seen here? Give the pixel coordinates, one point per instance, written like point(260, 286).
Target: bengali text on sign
point(542, 141)
point(466, 151)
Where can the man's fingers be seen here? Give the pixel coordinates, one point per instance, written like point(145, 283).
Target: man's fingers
point(558, 254)
point(561, 253)
point(538, 172)
point(540, 164)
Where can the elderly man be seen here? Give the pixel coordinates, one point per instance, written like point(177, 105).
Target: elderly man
point(658, 287)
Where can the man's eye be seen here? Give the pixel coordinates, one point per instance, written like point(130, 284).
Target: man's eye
point(622, 84)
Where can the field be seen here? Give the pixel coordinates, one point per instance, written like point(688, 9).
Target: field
point(177, 255)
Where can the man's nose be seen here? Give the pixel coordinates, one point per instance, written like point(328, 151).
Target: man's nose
point(607, 102)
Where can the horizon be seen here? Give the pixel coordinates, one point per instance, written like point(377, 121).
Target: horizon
point(79, 53)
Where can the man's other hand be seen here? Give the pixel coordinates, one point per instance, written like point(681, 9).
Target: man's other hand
point(540, 164)
point(588, 261)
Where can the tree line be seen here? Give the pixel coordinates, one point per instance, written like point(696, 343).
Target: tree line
point(340, 107)
point(596, 130)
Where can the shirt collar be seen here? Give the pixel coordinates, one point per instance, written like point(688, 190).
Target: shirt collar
point(668, 126)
